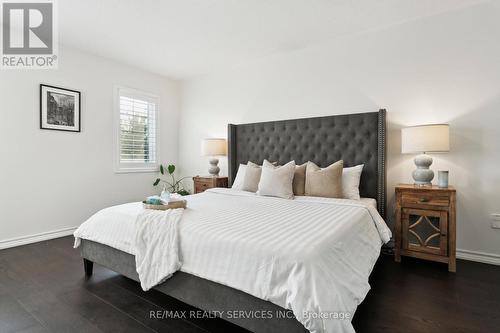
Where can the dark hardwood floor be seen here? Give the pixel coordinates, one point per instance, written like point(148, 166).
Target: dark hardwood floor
point(43, 289)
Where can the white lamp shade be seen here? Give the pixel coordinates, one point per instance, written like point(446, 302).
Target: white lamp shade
point(214, 147)
point(425, 138)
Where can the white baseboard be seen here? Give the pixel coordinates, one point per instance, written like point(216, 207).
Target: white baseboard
point(5, 244)
point(486, 258)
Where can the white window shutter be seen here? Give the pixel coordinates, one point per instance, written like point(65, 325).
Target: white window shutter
point(137, 131)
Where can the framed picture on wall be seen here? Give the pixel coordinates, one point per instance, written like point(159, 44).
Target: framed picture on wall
point(59, 109)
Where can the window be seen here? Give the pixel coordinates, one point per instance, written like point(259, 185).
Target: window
point(136, 131)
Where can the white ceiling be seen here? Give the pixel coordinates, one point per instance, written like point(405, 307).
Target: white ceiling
point(185, 38)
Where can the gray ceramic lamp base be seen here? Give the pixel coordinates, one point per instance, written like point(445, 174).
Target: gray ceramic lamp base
point(423, 176)
point(214, 169)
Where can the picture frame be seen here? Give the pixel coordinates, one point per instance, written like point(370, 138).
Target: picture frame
point(60, 109)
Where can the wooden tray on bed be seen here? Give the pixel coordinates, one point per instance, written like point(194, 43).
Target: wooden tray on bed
point(171, 205)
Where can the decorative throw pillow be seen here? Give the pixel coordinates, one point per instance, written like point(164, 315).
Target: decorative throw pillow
point(299, 179)
point(252, 177)
point(240, 175)
point(350, 182)
point(277, 181)
point(325, 182)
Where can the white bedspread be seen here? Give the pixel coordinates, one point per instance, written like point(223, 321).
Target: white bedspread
point(310, 255)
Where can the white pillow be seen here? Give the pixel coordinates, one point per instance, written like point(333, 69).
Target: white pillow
point(251, 178)
point(277, 181)
point(350, 182)
point(240, 175)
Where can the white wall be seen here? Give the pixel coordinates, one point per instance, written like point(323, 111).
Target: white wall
point(442, 69)
point(52, 180)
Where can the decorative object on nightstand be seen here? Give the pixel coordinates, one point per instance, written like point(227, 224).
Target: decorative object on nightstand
point(443, 179)
point(214, 148)
point(425, 139)
point(426, 223)
point(204, 183)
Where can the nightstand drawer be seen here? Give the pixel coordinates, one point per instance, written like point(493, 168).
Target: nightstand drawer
point(425, 199)
point(200, 187)
point(204, 183)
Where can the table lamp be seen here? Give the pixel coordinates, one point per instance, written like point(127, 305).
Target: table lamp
point(425, 139)
point(214, 148)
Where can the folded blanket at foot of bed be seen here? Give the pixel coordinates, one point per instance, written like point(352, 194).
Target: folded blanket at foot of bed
point(157, 246)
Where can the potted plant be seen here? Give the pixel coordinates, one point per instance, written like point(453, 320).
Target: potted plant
point(172, 185)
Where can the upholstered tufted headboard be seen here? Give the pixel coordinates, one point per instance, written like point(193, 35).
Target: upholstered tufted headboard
point(355, 138)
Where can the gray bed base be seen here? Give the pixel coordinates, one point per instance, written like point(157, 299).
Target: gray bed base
point(200, 293)
point(356, 138)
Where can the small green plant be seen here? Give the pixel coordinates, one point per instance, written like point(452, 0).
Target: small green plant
point(173, 185)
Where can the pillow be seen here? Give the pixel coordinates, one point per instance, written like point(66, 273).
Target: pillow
point(251, 178)
point(240, 175)
point(277, 181)
point(350, 182)
point(299, 179)
point(325, 182)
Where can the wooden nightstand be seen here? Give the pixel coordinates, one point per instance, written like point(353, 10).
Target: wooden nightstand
point(426, 224)
point(203, 183)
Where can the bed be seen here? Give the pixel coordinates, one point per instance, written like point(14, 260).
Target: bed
point(249, 253)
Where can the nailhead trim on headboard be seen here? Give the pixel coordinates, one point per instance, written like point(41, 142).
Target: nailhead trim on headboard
point(381, 190)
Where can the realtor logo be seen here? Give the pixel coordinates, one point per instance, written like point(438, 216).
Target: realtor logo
point(28, 34)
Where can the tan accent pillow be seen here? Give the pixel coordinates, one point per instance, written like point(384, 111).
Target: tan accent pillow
point(251, 178)
point(325, 182)
point(299, 179)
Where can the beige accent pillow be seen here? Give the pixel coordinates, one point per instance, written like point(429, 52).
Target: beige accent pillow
point(277, 181)
point(251, 178)
point(299, 179)
point(325, 182)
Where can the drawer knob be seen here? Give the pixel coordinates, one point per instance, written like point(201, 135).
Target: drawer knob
point(423, 200)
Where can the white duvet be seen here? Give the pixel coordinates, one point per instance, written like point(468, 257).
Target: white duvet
point(310, 255)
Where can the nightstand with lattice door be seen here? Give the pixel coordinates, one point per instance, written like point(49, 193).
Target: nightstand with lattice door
point(426, 223)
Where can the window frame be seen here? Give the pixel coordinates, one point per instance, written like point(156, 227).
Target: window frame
point(124, 167)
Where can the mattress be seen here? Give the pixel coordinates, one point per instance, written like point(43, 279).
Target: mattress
point(310, 255)
point(369, 201)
